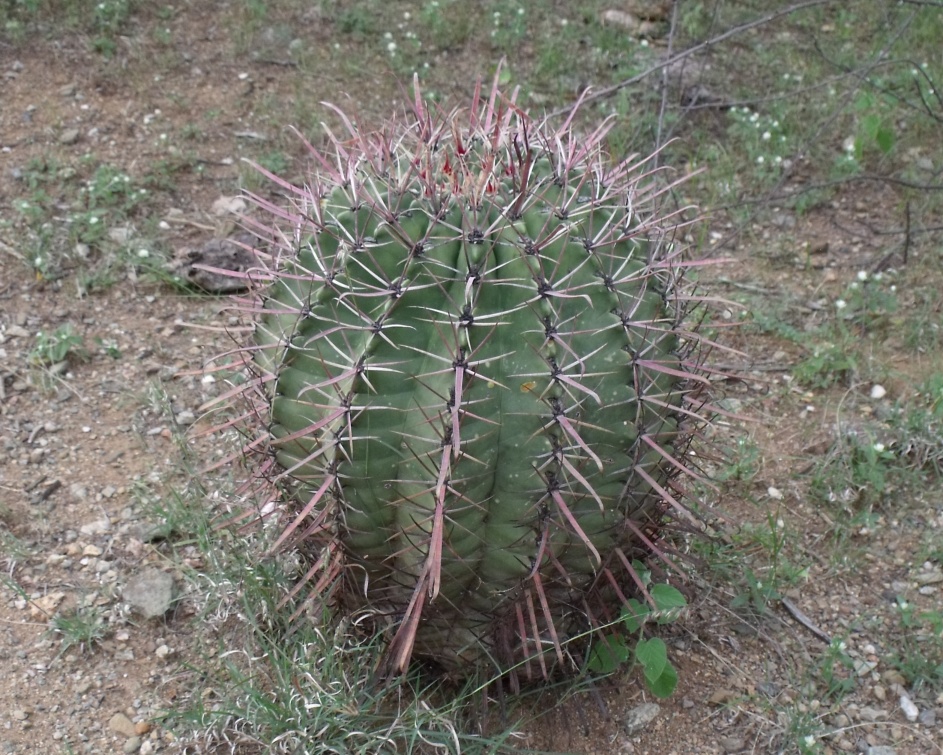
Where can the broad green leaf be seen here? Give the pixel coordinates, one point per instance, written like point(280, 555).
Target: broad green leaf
point(608, 654)
point(885, 139)
point(665, 684)
point(667, 597)
point(634, 614)
point(653, 655)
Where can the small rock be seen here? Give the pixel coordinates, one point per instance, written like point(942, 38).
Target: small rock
point(235, 255)
point(16, 331)
point(881, 750)
point(911, 711)
point(20, 715)
point(108, 491)
point(163, 651)
point(929, 578)
point(151, 592)
point(879, 693)
point(69, 136)
point(132, 745)
point(878, 391)
point(234, 205)
point(722, 697)
point(893, 676)
point(640, 717)
point(186, 417)
point(67, 91)
point(142, 727)
point(148, 747)
point(98, 527)
point(927, 717)
point(45, 607)
point(732, 744)
point(871, 715)
point(91, 550)
point(123, 725)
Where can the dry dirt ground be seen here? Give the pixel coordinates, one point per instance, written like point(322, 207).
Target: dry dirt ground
point(81, 444)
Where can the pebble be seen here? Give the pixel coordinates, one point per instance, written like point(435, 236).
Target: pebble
point(98, 527)
point(911, 711)
point(123, 725)
point(186, 417)
point(20, 715)
point(879, 693)
point(933, 577)
point(133, 744)
point(927, 717)
point(69, 136)
point(881, 750)
point(871, 715)
point(640, 717)
point(151, 592)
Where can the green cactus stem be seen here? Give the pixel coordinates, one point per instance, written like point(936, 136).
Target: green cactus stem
point(476, 379)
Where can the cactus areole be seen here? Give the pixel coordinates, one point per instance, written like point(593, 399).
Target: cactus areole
point(470, 354)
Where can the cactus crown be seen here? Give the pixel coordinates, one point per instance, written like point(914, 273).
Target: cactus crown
point(476, 382)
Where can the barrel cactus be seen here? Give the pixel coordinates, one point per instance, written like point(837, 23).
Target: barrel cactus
point(471, 357)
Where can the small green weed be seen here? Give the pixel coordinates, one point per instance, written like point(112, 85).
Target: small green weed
point(857, 474)
point(651, 654)
point(762, 139)
point(52, 348)
point(919, 652)
point(83, 627)
point(742, 461)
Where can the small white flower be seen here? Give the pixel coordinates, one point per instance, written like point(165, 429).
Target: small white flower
point(879, 447)
point(767, 136)
point(92, 220)
point(841, 304)
point(809, 740)
point(778, 159)
point(391, 47)
point(143, 253)
point(862, 275)
point(760, 160)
